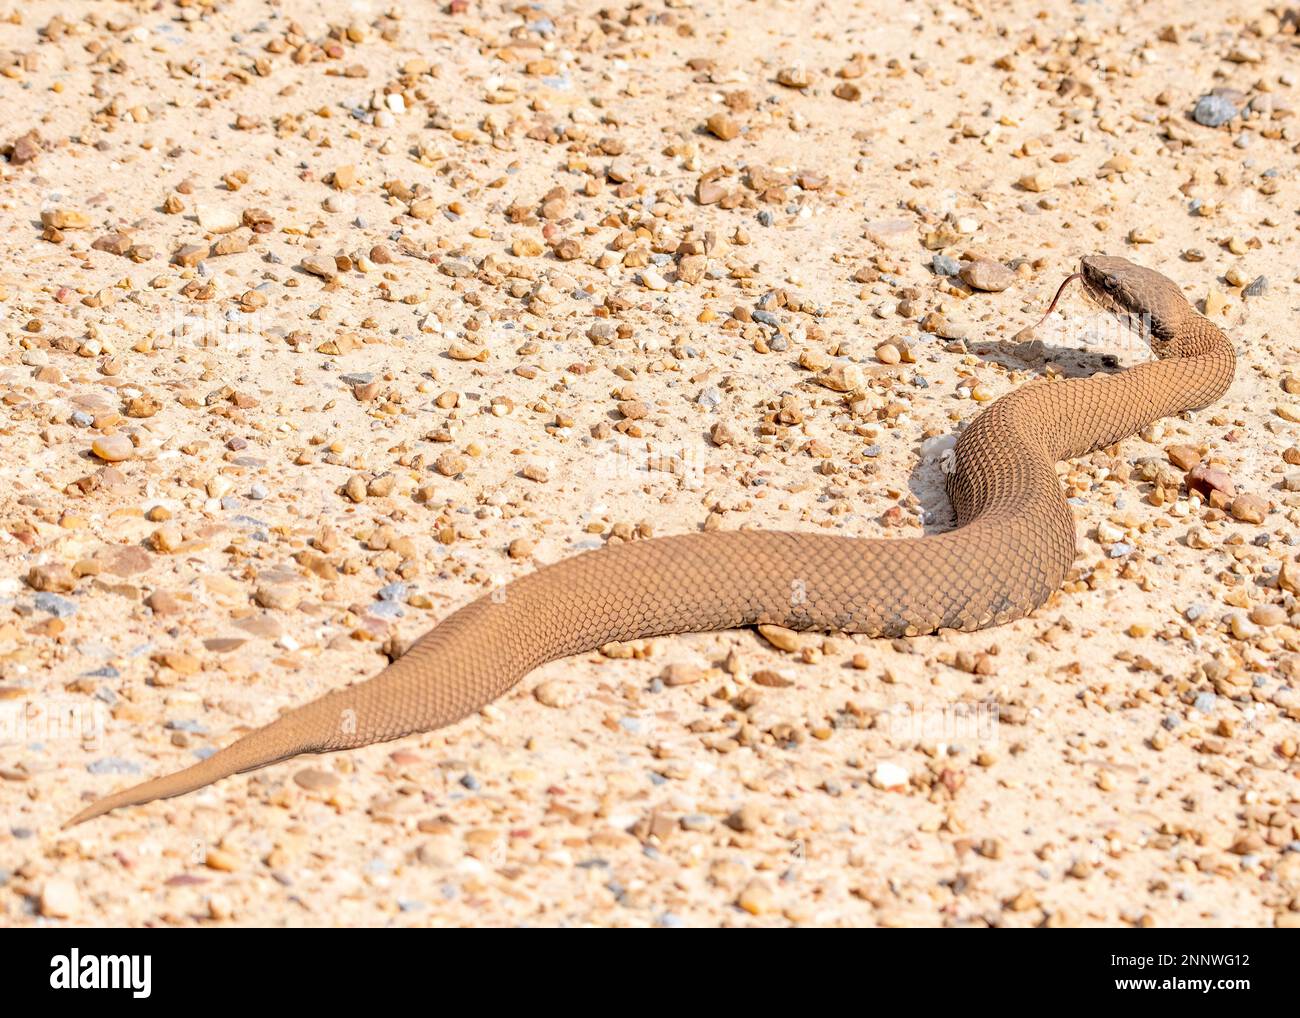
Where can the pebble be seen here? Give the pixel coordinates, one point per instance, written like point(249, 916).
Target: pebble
point(25, 150)
point(781, 638)
point(167, 538)
point(558, 693)
point(983, 274)
point(721, 434)
point(325, 268)
point(217, 218)
point(747, 819)
point(1108, 533)
point(440, 852)
point(710, 192)
point(114, 448)
point(1183, 456)
point(59, 899)
point(652, 280)
point(221, 860)
point(55, 577)
point(379, 609)
point(1256, 288)
point(795, 76)
point(1215, 304)
point(722, 126)
point(457, 268)
point(682, 675)
point(187, 256)
point(890, 776)
point(1213, 110)
point(756, 897)
point(841, 377)
point(113, 765)
point(1207, 479)
point(1268, 615)
point(620, 171)
point(276, 596)
point(59, 607)
point(1037, 182)
point(451, 464)
point(1249, 508)
point(65, 219)
point(315, 780)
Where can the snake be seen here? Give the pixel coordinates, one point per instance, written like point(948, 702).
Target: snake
point(1013, 545)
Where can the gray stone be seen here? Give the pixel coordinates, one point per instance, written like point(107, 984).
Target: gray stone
point(60, 607)
point(112, 765)
point(943, 265)
point(1213, 110)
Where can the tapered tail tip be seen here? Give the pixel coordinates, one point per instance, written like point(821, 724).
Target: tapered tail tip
point(97, 808)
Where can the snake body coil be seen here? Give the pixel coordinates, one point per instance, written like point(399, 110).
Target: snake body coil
point(1014, 543)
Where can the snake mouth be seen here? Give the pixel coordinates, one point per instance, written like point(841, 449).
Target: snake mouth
point(1114, 284)
point(1096, 295)
point(1099, 290)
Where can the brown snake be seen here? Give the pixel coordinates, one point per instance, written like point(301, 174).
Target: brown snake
point(1013, 545)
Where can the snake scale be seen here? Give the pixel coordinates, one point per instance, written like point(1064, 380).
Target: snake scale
point(1012, 547)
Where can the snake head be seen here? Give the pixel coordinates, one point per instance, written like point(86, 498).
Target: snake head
point(1144, 300)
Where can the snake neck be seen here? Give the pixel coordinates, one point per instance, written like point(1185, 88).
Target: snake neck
point(1203, 354)
point(1194, 336)
point(1049, 421)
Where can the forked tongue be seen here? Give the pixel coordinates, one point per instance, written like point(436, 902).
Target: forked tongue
point(1060, 290)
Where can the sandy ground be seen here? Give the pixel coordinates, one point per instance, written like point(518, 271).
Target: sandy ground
point(369, 309)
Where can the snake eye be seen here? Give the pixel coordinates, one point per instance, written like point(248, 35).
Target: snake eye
point(1111, 283)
